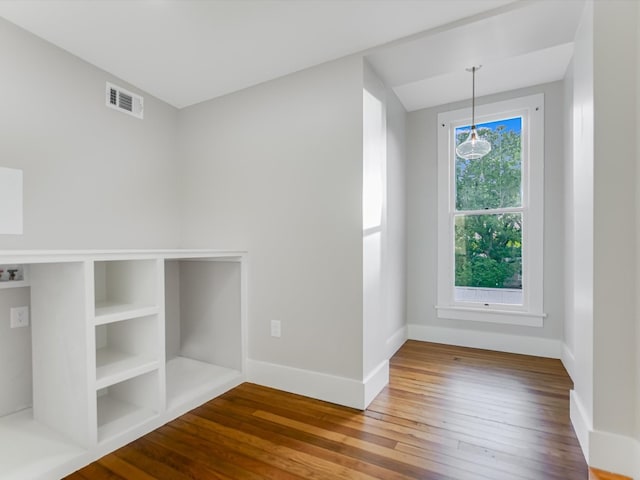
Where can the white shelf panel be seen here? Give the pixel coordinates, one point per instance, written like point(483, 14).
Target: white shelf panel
point(57, 256)
point(28, 448)
point(14, 284)
point(188, 379)
point(116, 417)
point(113, 366)
point(108, 312)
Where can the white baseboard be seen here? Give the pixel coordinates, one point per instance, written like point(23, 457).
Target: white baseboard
point(604, 450)
point(395, 341)
point(322, 386)
point(330, 388)
point(568, 360)
point(581, 422)
point(375, 382)
point(615, 453)
point(500, 342)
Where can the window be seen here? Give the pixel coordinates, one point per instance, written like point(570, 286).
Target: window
point(490, 215)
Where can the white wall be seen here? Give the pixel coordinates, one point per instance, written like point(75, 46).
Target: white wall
point(569, 241)
point(615, 243)
point(384, 242)
point(638, 238)
point(580, 281)
point(15, 355)
point(605, 403)
point(93, 177)
point(276, 169)
point(396, 313)
point(374, 229)
point(422, 235)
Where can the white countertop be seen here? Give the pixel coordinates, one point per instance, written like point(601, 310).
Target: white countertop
point(55, 256)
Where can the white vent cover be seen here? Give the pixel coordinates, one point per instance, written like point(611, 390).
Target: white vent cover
point(125, 101)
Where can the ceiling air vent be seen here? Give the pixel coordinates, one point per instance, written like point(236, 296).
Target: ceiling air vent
point(124, 100)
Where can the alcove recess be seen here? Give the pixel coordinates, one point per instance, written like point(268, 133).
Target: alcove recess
point(203, 308)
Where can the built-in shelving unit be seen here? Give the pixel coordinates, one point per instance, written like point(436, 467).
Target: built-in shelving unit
point(123, 341)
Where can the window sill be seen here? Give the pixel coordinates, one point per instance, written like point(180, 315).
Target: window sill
point(509, 317)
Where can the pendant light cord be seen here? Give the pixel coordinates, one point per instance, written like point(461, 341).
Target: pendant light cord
point(473, 98)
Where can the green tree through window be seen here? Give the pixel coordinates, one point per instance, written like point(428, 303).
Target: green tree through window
point(488, 241)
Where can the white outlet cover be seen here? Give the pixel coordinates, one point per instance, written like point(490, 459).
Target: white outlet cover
point(19, 317)
point(275, 328)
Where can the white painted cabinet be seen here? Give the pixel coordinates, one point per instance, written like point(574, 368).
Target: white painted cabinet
point(122, 342)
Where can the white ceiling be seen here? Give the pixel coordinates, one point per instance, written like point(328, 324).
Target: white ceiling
point(522, 44)
point(188, 51)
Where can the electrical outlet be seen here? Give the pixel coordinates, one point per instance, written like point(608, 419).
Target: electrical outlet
point(275, 328)
point(19, 317)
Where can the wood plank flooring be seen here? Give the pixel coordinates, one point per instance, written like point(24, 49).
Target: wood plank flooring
point(595, 474)
point(448, 413)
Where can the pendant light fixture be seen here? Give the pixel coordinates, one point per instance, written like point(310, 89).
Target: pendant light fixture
point(474, 146)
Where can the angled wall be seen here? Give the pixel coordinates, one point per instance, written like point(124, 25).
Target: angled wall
point(93, 177)
point(276, 169)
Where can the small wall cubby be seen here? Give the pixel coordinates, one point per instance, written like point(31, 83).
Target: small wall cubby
point(122, 342)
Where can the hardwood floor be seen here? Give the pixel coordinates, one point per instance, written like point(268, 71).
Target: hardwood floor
point(447, 413)
point(595, 474)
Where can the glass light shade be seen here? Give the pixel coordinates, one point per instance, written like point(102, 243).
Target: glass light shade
point(473, 147)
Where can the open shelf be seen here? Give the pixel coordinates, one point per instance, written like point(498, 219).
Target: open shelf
point(126, 405)
point(116, 416)
point(126, 349)
point(187, 379)
point(14, 284)
point(28, 448)
point(114, 366)
point(108, 312)
point(125, 289)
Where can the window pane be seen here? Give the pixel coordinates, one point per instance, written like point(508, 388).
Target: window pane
point(494, 181)
point(488, 258)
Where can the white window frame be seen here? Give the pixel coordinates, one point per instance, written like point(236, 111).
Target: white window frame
point(530, 313)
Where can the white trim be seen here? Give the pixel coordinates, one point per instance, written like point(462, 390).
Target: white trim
point(615, 453)
point(493, 315)
point(322, 386)
point(500, 342)
point(375, 382)
point(604, 450)
point(580, 421)
point(531, 109)
point(568, 360)
point(396, 340)
point(58, 256)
